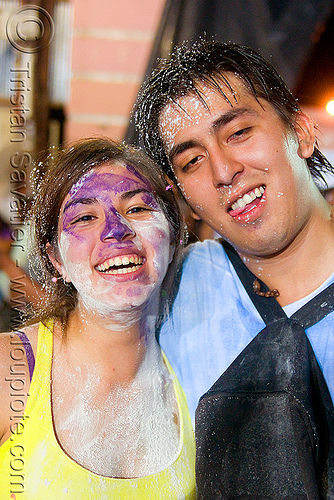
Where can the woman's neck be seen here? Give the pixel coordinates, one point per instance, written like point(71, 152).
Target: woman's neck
point(116, 347)
point(117, 401)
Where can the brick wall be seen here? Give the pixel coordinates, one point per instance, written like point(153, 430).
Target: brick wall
point(111, 47)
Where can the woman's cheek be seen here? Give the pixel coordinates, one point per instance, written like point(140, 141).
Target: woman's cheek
point(73, 253)
point(157, 242)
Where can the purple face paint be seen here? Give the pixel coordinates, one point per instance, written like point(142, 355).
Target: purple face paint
point(92, 189)
point(115, 227)
point(113, 239)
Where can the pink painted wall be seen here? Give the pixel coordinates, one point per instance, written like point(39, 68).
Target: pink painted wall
point(111, 47)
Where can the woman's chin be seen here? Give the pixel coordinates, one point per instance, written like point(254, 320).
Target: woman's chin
point(129, 305)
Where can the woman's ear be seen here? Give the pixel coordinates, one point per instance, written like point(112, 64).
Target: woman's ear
point(51, 251)
point(304, 127)
point(171, 252)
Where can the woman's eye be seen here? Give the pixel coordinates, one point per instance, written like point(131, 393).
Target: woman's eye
point(84, 218)
point(137, 210)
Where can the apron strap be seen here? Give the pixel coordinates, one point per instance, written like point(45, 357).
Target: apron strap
point(265, 429)
point(268, 307)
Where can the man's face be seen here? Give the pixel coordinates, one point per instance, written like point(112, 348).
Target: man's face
point(239, 166)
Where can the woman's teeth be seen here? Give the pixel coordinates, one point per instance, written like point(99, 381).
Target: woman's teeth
point(113, 266)
point(248, 198)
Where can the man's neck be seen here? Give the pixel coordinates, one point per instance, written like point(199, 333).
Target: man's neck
point(301, 267)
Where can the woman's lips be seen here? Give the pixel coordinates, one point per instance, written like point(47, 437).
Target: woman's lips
point(121, 264)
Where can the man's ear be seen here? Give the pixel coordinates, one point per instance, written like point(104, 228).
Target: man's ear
point(52, 254)
point(194, 215)
point(304, 127)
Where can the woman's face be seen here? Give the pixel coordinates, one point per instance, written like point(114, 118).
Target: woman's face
point(113, 239)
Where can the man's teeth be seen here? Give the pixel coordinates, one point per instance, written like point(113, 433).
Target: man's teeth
point(248, 198)
point(112, 266)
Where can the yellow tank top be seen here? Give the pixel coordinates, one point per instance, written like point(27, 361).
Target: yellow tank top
point(33, 466)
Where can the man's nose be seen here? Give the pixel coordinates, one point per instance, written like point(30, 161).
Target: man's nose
point(225, 168)
point(116, 227)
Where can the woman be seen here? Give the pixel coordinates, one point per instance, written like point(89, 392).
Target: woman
point(105, 416)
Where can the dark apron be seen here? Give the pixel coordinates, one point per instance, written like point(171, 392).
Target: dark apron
point(265, 429)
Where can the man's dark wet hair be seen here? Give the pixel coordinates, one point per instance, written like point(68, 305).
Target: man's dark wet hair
point(209, 62)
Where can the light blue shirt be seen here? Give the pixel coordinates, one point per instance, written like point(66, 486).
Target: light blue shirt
point(213, 320)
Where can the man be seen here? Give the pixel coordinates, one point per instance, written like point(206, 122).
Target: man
point(224, 126)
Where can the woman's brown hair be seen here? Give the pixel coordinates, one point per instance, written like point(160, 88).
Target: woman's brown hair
point(52, 179)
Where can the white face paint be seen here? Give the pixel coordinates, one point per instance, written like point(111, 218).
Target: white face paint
point(114, 240)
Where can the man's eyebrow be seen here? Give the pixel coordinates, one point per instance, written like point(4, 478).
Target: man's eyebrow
point(82, 201)
point(222, 120)
point(231, 115)
point(179, 148)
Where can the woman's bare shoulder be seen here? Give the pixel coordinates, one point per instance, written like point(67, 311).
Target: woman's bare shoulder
point(8, 340)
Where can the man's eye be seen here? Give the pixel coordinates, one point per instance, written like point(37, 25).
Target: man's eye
point(190, 163)
point(240, 133)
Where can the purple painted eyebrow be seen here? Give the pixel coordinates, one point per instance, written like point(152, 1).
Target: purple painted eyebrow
point(82, 201)
point(127, 195)
point(222, 120)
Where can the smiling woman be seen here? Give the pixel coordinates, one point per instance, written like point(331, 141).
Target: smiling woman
point(73, 173)
point(112, 218)
point(103, 404)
